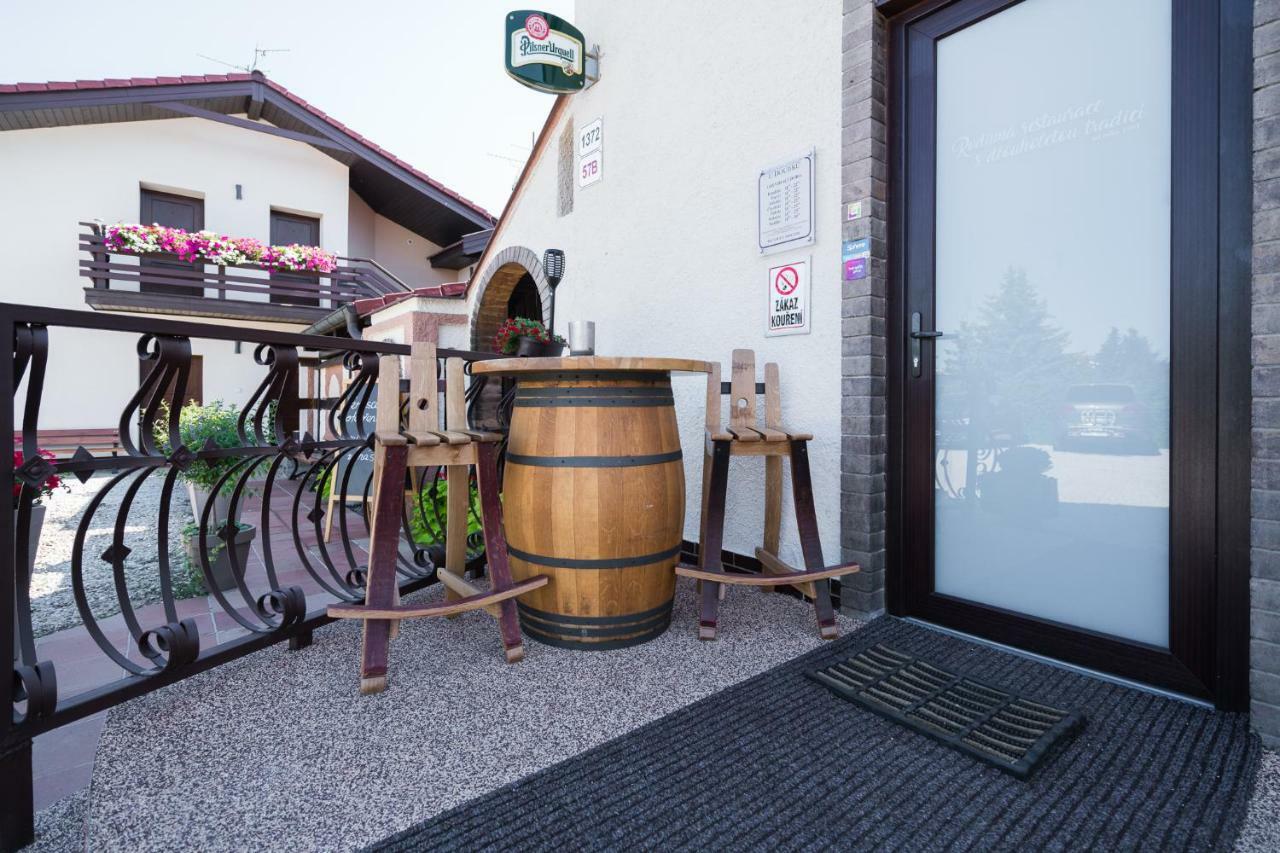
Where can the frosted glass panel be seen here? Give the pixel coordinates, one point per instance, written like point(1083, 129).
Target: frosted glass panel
point(1052, 286)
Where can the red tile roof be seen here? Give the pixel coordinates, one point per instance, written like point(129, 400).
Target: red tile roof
point(120, 83)
point(453, 290)
point(134, 82)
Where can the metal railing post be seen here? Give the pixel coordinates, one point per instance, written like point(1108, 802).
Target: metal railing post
point(100, 260)
point(17, 816)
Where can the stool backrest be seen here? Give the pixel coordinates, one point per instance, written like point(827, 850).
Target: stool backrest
point(425, 387)
point(742, 389)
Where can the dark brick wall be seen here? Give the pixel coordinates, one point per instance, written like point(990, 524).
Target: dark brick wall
point(864, 175)
point(1264, 645)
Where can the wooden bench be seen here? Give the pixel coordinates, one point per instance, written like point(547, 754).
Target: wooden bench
point(771, 439)
point(425, 444)
point(63, 443)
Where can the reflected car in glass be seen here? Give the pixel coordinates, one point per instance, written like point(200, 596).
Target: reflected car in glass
point(1104, 418)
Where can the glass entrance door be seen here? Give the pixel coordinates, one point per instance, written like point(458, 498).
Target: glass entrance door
point(1051, 490)
point(1055, 383)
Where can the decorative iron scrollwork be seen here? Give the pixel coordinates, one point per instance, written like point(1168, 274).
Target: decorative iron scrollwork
point(297, 485)
point(165, 386)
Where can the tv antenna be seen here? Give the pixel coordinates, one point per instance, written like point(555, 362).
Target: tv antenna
point(258, 54)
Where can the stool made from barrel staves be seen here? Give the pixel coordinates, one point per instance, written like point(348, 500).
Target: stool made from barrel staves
point(769, 439)
point(422, 445)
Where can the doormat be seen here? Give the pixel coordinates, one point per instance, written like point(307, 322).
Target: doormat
point(779, 763)
point(988, 723)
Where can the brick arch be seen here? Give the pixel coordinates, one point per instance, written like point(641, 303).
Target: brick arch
point(496, 284)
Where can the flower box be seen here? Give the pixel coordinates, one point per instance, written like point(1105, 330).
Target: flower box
point(208, 247)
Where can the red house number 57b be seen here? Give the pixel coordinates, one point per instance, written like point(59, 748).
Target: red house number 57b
point(590, 168)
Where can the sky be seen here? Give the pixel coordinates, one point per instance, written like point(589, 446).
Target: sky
point(422, 79)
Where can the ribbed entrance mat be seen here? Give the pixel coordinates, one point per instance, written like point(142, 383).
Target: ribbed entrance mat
point(993, 725)
point(779, 762)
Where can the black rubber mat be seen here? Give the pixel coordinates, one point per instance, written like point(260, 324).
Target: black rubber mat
point(991, 724)
point(778, 762)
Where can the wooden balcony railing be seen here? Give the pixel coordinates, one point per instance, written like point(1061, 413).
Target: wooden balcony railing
point(160, 284)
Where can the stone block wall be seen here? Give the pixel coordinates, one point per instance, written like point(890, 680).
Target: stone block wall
point(864, 380)
point(1264, 643)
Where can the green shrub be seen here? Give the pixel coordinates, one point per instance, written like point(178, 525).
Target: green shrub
point(423, 522)
point(196, 425)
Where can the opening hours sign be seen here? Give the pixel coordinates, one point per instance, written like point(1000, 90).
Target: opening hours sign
point(788, 307)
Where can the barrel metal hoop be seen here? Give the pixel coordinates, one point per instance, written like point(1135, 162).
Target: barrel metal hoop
point(620, 619)
point(610, 563)
point(595, 645)
point(595, 391)
point(579, 375)
point(655, 398)
point(593, 461)
point(591, 632)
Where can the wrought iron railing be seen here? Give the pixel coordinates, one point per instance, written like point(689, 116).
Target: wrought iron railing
point(127, 282)
point(290, 473)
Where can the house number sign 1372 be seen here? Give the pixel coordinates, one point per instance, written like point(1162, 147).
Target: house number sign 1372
point(591, 153)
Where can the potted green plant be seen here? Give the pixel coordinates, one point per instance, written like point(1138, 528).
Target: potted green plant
point(45, 490)
point(220, 562)
point(197, 426)
point(522, 336)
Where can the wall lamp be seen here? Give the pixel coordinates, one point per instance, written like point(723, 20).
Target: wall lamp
point(553, 267)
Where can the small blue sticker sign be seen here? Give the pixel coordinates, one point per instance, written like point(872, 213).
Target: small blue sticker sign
point(855, 255)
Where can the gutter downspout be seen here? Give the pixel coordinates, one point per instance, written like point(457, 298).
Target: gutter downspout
point(344, 316)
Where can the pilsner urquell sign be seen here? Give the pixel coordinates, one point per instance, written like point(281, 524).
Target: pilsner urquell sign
point(544, 52)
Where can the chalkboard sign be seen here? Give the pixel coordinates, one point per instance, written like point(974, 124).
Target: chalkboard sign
point(361, 462)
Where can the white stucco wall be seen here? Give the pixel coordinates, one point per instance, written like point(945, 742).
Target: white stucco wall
point(360, 227)
point(52, 178)
point(662, 253)
point(400, 250)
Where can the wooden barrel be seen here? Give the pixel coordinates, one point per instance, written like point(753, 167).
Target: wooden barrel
point(593, 497)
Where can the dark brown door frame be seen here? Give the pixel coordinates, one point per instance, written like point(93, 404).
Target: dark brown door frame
point(1210, 386)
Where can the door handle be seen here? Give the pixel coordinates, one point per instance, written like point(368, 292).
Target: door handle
point(917, 335)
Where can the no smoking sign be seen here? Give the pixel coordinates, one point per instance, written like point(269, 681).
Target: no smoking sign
point(788, 308)
point(786, 281)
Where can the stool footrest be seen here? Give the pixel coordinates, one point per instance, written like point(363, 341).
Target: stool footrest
point(737, 579)
point(439, 608)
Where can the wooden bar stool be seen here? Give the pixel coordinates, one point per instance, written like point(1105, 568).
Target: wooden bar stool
point(746, 436)
point(424, 444)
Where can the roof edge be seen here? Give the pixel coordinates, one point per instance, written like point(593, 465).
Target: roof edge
point(36, 95)
point(535, 156)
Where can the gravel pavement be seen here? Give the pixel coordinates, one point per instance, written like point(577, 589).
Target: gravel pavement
point(53, 604)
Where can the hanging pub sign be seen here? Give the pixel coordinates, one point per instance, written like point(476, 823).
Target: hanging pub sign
point(545, 52)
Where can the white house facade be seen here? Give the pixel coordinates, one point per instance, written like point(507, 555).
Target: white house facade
point(661, 251)
point(214, 167)
point(1013, 320)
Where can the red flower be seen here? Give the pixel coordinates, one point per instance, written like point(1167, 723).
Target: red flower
point(53, 481)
